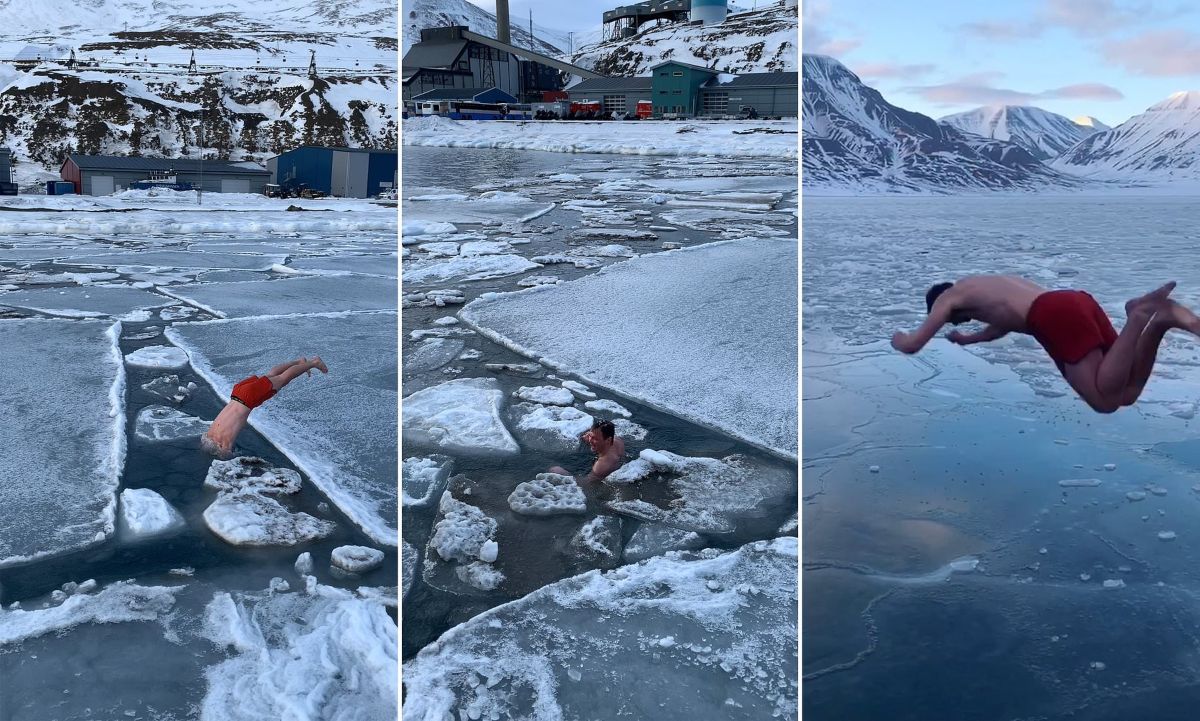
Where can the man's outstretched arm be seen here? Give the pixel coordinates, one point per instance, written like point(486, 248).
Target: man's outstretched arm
point(939, 316)
point(989, 333)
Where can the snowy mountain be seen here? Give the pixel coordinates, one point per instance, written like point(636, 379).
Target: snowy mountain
point(419, 14)
point(132, 92)
point(854, 140)
point(1043, 133)
point(749, 42)
point(1091, 123)
point(1162, 142)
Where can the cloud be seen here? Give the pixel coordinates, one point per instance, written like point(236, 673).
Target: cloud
point(1003, 31)
point(1161, 53)
point(1095, 18)
point(978, 91)
point(816, 38)
point(891, 70)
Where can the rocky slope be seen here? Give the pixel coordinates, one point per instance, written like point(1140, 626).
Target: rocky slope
point(420, 14)
point(1043, 133)
point(1161, 143)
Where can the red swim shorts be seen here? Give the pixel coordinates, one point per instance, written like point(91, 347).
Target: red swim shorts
point(253, 391)
point(1069, 324)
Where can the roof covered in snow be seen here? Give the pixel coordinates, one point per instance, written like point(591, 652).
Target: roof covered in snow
point(186, 165)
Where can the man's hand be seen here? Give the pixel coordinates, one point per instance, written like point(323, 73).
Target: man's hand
point(903, 343)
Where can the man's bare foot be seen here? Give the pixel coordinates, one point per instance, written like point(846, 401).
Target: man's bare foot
point(319, 364)
point(1178, 316)
point(1151, 301)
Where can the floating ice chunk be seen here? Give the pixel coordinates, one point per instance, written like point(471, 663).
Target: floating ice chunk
point(248, 518)
point(631, 472)
point(442, 249)
point(789, 527)
point(548, 494)
point(170, 388)
point(160, 423)
point(459, 416)
point(470, 354)
point(432, 353)
point(250, 473)
point(158, 356)
point(408, 567)
point(1085, 577)
point(488, 552)
point(1136, 495)
point(83, 302)
point(531, 281)
point(320, 655)
point(1097, 665)
point(1156, 489)
point(484, 267)
point(529, 370)
point(1166, 535)
point(603, 251)
point(1114, 583)
point(1079, 482)
point(145, 513)
point(652, 539)
point(176, 312)
point(578, 262)
point(384, 265)
point(120, 602)
point(461, 532)
point(599, 540)
point(629, 430)
point(137, 316)
point(607, 406)
point(356, 559)
point(426, 227)
point(484, 247)
point(548, 395)
point(638, 509)
point(551, 428)
point(579, 389)
point(180, 259)
point(424, 333)
point(523, 677)
point(480, 575)
point(146, 333)
point(304, 564)
point(446, 320)
point(669, 245)
point(306, 294)
point(612, 234)
point(874, 469)
point(1110, 466)
point(423, 479)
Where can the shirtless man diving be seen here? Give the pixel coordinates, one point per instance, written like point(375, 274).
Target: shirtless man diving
point(248, 394)
point(609, 450)
point(1107, 369)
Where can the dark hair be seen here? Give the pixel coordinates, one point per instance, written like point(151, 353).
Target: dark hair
point(932, 294)
point(606, 428)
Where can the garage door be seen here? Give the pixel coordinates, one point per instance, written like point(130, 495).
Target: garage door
point(102, 185)
point(235, 185)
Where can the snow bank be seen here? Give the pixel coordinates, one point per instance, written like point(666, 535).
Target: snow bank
point(714, 138)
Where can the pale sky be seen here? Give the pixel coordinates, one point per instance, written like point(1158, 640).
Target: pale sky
point(1107, 58)
point(564, 15)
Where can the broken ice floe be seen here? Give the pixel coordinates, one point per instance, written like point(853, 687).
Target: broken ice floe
point(160, 423)
point(579, 389)
point(459, 537)
point(480, 575)
point(459, 416)
point(548, 494)
point(528, 370)
point(653, 539)
point(253, 474)
point(169, 387)
point(578, 262)
point(533, 281)
point(1079, 482)
point(546, 395)
point(145, 513)
point(249, 299)
point(598, 542)
point(465, 268)
point(119, 602)
point(356, 559)
point(146, 333)
point(423, 479)
point(550, 428)
point(158, 356)
point(431, 354)
point(629, 430)
point(439, 298)
point(248, 518)
point(84, 302)
point(408, 567)
point(607, 406)
point(638, 509)
point(603, 251)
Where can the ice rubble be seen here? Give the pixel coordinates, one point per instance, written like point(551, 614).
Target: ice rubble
point(546, 495)
point(356, 559)
point(653, 539)
point(546, 395)
point(170, 388)
point(308, 294)
point(459, 416)
point(84, 302)
point(714, 293)
point(160, 423)
point(412, 227)
point(720, 625)
point(251, 473)
point(599, 540)
point(579, 389)
point(319, 654)
point(65, 382)
point(602, 251)
point(551, 428)
point(248, 518)
point(463, 535)
point(423, 479)
point(157, 356)
point(533, 281)
point(118, 602)
point(145, 513)
point(480, 575)
point(465, 268)
point(338, 429)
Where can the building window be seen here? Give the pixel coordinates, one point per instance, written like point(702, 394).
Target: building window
point(716, 103)
point(676, 92)
point(664, 74)
point(614, 103)
point(678, 73)
point(662, 92)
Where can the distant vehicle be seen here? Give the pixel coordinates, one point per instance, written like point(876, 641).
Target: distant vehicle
point(291, 189)
point(584, 110)
point(645, 110)
point(748, 112)
point(470, 110)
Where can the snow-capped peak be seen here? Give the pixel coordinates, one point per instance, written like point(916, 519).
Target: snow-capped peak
point(1091, 122)
point(1163, 141)
point(1041, 132)
point(1182, 100)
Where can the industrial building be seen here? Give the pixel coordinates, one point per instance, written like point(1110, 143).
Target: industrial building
point(340, 172)
point(475, 95)
point(455, 57)
point(7, 186)
point(683, 90)
point(106, 174)
point(627, 20)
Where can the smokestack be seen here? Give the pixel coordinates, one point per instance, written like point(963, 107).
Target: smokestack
point(502, 26)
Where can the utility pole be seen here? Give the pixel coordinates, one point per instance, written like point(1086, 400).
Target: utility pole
point(531, 28)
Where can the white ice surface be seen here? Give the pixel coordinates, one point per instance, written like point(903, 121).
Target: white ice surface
point(731, 619)
point(459, 416)
point(248, 518)
point(356, 559)
point(251, 473)
point(720, 317)
point(180, 259)
point(546, 395)
point(460, 532)
point(62, 388)
point(546, 495)
point(465, 268)
point(599, 539)
point(654, 539)
point(340, 428)
point(488, 207)
point(160, 423)
point(145, 513)
point(157, 356)
point(551, 428)
point(423, 478)
point(119, 602)
point(408, 567)
point(322, 655)
point(610, 407)
point(480, 575)
point(84, 301)
point(431, 354)
point(308, 294)
point(384, 265)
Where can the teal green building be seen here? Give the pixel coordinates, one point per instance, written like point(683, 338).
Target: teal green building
point(675, 88)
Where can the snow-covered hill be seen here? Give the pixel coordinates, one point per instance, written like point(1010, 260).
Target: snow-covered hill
point(1161, 143)
point(419, 14)
point(1091, 123)
point(1043, 133)
point(756, 41)
point(855, 141)
point(131, 91)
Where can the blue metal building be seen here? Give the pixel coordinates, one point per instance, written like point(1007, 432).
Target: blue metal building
point(340, 172)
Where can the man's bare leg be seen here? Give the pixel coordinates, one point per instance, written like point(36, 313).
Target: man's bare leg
point(1112, 377)
point(1173, 315)
point(284, 366)
point(294, 370)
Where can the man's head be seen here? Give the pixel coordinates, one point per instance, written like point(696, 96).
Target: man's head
point(600, 438)
point(935, 292)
